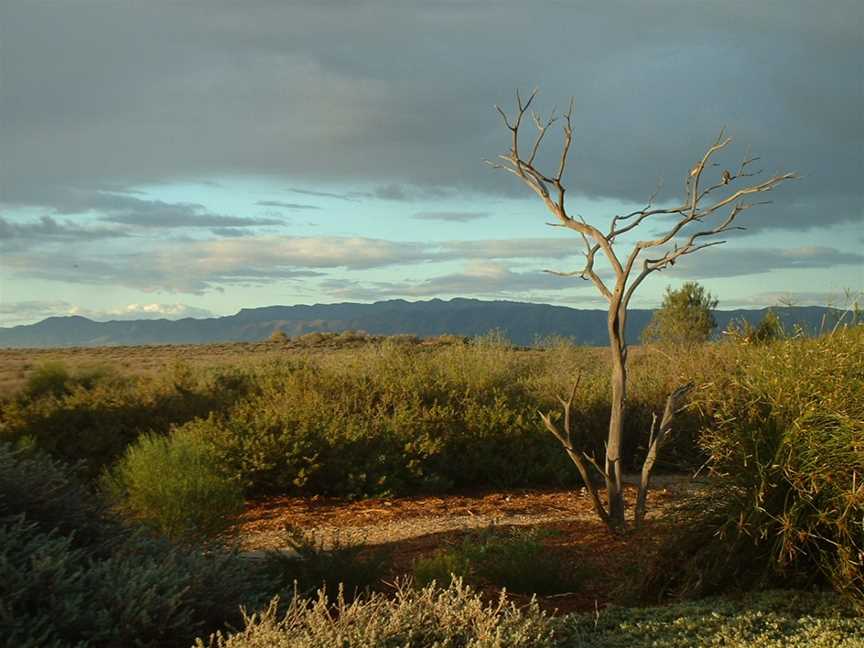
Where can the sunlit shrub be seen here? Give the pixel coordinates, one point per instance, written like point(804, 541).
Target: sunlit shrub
point(456, 616)
point(49, 379)
point(174, 484)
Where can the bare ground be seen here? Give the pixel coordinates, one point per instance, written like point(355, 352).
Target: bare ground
point(412, 527)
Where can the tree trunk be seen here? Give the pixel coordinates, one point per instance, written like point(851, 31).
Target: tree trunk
point(614, 486)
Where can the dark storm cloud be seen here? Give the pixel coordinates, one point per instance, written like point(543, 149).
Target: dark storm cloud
point(326, 194)
point(128, 209)
point(484, 280)
point(285, 205)
point(391, 192)
point(19, 235)
point(173, 217)
point(230, 232)
point(101, 92)
point(451, 216)
point(733, 262)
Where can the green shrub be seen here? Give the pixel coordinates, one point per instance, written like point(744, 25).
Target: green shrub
point(769, 329)
point(685, 317)
point(175, 485)
point(54, 379)
point(49, 379)
point(786, 448)
point(279, 336)
point(354, 568)
point(97, 423)
point(372, 433)
point(515, 559)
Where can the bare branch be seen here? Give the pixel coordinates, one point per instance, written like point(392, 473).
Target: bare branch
point(565, 439)
point(543, 184)
point(674, 404)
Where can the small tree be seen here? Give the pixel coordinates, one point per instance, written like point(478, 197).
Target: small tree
point(279, 336)
point(686, 230)
point(769, 329)
point(685, 317)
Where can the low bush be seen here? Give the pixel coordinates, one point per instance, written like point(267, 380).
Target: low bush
point(49, 379)
point(311, 565)
point(458, 617)
point(55, 379)
point(774, 619)
point(515, 559)
point(175, 485)
point(56, 594)
point(451, 617)
point(364, 431)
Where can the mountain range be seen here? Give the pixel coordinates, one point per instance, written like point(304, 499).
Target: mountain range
point(522, 323)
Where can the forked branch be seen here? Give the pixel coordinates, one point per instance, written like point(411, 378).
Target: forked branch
point(580, 458)
point(656, 440)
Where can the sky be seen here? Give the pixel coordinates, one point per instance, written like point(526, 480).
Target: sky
point(189, 158)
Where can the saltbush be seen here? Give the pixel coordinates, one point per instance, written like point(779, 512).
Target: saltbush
point(144, 593)
point(457, 617)
point(512, 558)
point(774, 619)
point(175, 485)
point(452, 617)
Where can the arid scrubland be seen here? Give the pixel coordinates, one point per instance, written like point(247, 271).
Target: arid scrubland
point(167, 444)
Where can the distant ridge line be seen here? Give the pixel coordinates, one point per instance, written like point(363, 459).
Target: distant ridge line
point(521, 322)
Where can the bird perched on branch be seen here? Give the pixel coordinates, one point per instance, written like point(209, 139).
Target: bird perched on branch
point(727, 177)
point(695, 170)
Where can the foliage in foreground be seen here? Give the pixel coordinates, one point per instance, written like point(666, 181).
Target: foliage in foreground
point(455, 616)
point(514, 558)
point(458, 617)
point(72, 576)
point(144, 593)
point(786, 448)
point(773, 619)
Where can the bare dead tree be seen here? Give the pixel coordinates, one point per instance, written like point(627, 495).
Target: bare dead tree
point(707, 210)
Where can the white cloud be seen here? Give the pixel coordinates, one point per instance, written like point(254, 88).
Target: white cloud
point(25, 312)
point(143, 311)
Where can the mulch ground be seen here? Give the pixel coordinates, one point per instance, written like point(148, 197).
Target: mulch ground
point(412, 527)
